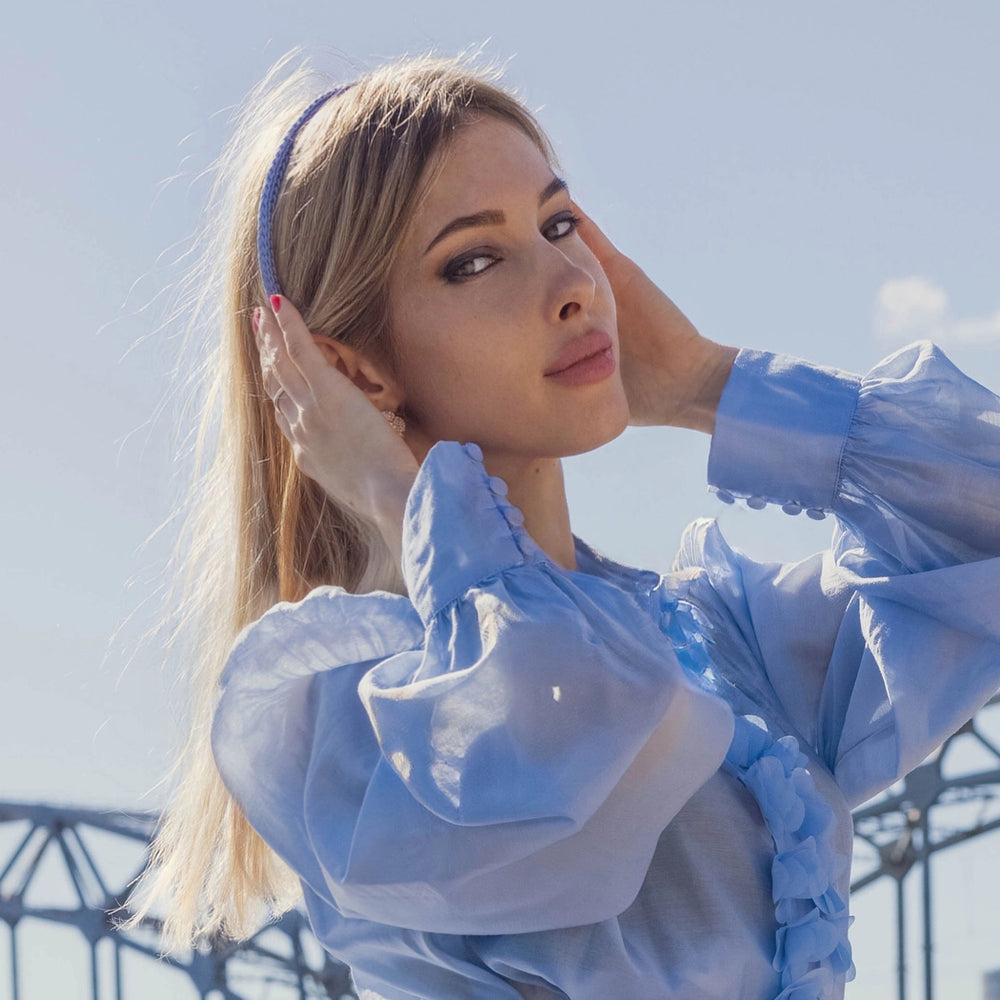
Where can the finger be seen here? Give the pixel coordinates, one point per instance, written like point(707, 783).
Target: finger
point(277, 368)
point(272, 387)
point(300, 348)
point(269, 379)
point(284, 424)
point(286, 409)
point(591, 234)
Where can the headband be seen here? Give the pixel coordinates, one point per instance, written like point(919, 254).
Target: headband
point(272, 188)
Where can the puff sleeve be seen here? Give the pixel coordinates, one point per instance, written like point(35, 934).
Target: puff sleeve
point(886, 644)
point(453, 761)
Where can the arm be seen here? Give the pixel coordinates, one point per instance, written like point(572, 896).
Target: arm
point(453, 764)
point(883, 646)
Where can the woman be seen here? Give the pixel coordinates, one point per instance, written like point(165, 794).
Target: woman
point(495, 763)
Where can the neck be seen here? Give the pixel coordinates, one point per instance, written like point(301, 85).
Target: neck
point(536, 487)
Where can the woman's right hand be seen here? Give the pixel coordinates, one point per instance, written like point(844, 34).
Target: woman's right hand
point(338, 436)
point(672, 375)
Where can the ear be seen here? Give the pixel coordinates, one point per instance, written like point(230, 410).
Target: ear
point(371, 377)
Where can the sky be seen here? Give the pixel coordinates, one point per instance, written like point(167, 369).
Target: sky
point(814, 179)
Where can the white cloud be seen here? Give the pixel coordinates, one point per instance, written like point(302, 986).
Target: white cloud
point(978, 329)
point(911, 308)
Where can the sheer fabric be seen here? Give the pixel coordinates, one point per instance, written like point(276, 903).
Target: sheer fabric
point(522, 781)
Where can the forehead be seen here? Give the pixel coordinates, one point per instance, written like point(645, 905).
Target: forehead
point(487, 163)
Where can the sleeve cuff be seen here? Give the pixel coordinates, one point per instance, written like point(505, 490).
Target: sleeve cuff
point(458, 529)
point(780, 432)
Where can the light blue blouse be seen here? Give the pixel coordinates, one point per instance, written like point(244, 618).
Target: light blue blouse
point(522, 781)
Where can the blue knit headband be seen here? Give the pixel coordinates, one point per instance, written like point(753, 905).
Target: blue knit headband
point(272, 188)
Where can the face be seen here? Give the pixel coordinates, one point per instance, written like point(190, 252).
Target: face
point(502, 319)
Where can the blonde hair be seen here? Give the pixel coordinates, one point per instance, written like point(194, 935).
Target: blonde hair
point(259, 531)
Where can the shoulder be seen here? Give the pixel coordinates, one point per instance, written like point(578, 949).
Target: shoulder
point(328, 628)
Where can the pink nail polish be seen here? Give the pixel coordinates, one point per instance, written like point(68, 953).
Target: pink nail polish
point(275, 302)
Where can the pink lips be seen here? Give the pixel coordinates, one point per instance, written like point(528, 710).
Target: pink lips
point(585, 360)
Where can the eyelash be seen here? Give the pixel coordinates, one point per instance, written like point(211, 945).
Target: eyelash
point(452, 268)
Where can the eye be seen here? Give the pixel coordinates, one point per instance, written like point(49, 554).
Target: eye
point(561, 226)
point(469, 266)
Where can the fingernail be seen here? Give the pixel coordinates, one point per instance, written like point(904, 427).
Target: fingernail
point(275, 302)
point(255, 322)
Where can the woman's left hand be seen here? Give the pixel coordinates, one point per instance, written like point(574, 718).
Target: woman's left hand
point(672, 374)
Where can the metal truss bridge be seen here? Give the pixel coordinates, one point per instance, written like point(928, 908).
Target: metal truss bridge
point(73, 867)
point(952, 798)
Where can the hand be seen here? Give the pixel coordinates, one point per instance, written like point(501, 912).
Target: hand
point(672, 375)
point(338, 437)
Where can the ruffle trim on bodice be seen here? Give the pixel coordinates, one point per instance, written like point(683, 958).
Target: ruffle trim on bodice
point(812, 954)
point(812, 950)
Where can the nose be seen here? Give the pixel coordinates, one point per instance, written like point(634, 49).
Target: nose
point(571, 286)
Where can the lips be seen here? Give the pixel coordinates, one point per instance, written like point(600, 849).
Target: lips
point(590, 346)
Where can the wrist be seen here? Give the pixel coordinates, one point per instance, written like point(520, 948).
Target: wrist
point(700, 411)
point(388, 495)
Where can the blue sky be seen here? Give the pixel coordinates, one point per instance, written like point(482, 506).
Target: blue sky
point(816, 179)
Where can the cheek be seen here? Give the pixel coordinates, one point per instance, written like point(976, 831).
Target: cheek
point(452, 337)
point(437, 367)
point(462, 386)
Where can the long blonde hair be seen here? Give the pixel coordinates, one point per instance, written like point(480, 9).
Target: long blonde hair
point(258, 531)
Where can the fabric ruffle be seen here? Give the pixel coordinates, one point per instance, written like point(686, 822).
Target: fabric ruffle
point(812, 953)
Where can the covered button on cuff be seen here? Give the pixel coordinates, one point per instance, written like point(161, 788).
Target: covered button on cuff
point(790, 507)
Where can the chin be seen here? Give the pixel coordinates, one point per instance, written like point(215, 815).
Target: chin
point(594, 433)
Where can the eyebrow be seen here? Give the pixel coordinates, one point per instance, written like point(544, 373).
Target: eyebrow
point(493, 216)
